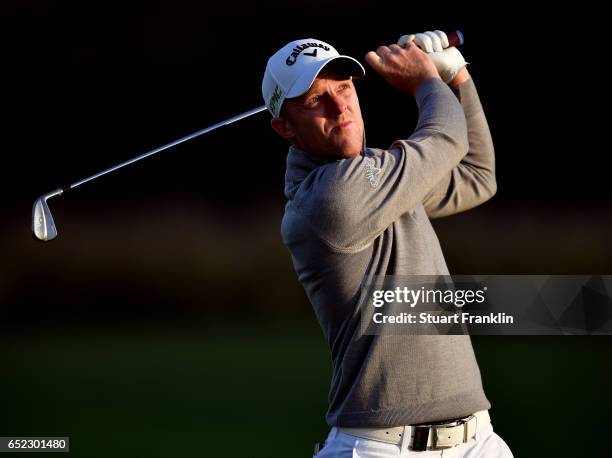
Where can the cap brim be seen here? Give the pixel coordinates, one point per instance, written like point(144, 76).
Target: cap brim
point(351, 66)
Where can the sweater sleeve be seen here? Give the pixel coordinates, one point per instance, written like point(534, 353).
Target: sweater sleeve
point(354, 200)
point(472, 182)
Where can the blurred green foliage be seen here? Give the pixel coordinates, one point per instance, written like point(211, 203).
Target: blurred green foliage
point(215, 390)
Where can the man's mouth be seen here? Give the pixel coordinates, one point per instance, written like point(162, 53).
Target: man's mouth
point(342, 125)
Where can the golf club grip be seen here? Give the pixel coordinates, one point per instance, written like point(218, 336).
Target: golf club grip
point(455, 38)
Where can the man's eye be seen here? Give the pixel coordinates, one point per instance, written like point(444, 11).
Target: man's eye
point(344, 87)
point(313, 100)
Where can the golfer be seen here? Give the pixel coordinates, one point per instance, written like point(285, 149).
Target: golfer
point(355, 211)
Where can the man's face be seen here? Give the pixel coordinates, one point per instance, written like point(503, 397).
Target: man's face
point(326, 121)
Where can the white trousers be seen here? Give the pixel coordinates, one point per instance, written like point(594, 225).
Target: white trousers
point(486, 444)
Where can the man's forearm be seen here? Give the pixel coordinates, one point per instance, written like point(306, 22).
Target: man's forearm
point(481, 152)
point(474, 177)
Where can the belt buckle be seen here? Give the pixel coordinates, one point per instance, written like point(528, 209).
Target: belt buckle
point(421, 434)
point(459, 422)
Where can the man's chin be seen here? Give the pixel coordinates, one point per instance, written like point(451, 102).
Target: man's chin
point(350, 151)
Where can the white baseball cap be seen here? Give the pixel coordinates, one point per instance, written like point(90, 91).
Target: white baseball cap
point(292, 69)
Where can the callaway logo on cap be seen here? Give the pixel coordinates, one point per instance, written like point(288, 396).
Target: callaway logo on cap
point(291, 70)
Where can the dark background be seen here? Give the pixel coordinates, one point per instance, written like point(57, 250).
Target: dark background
point(166, 319)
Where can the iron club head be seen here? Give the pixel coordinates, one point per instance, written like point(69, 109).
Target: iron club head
point(43, 226)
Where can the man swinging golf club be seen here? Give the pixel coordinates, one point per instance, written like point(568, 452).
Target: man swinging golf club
point(355, 211)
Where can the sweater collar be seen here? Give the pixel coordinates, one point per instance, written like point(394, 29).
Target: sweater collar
point(299, 166)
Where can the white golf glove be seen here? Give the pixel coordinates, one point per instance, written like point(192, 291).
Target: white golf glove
point(448, 60)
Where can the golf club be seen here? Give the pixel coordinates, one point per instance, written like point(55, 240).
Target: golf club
point(43, 226)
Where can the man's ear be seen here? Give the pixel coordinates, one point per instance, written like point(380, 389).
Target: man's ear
point(283, 127)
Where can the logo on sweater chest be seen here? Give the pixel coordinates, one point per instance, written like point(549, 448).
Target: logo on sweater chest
point(372, 173)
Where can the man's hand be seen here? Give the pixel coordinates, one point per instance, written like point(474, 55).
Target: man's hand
point(448, 60)
point(403, 68)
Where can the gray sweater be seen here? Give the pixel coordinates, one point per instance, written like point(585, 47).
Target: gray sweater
point(351, 218)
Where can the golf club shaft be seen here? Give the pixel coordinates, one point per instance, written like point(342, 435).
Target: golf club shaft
point(246, 114)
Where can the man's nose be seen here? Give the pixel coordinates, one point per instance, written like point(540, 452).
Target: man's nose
point(337, 105)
